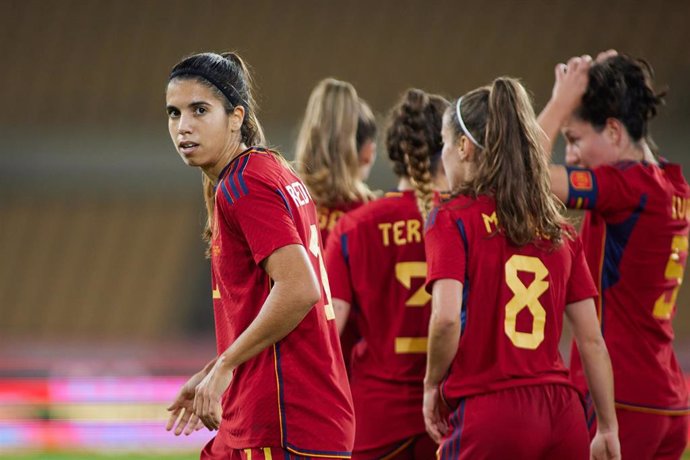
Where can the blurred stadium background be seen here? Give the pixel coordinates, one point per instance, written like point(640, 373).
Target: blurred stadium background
point(104, 291)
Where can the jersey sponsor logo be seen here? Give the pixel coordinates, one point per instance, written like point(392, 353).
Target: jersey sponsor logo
point(581, 180)
point(298, 193)
point(401, 232)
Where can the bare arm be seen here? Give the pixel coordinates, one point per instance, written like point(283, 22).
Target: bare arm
point(295, 291)
point(444, 335)
point(342, 313)
point(597, 366)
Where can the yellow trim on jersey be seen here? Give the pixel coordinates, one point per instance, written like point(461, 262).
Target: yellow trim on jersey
point(394, 194)
point(248, 453)
point(601, 278)
point(411, 344)
point(308, 454)
point(280, 414)
point(267, 454)
point(650, 410)
point(404, 446)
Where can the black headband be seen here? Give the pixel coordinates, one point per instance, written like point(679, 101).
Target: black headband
point(227, 90)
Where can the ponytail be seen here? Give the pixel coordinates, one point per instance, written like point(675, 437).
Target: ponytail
point(512, 166)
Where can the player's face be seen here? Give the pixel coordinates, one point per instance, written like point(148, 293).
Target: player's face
point(198, 124)
point(585, 146)
point(450, 155)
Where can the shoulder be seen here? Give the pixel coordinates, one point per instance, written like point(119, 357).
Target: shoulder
point(252, 173)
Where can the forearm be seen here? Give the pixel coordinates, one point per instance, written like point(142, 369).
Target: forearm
point(551, 119)
point(283, 310)
point(442, 347)
point(342, 313)
point(597, 367)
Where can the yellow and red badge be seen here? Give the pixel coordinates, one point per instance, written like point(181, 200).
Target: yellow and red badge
point(581, 180)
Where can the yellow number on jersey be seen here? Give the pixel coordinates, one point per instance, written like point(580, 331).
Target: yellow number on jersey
point(526, 296)
point(404, 272)
point(315, 249)
point(674, 271)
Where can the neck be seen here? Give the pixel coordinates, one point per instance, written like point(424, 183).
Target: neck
point(229, 154)
point(638, 151)
point(438, 183)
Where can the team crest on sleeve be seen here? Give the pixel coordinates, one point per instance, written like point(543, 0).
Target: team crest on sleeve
point(581, 180)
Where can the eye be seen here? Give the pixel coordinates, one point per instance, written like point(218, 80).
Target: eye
point(200, 110)
point(173, 113)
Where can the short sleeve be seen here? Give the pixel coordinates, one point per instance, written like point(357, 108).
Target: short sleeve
point(607, 188)
point(337, 262)
point(259, 210)
point(580, 284)
point(445, 243)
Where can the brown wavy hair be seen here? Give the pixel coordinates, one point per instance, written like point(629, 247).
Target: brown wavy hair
point(512, 167)
point(414, 143)
point(336, 124)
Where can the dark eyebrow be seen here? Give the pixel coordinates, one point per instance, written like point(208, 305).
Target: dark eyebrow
point(195, 104)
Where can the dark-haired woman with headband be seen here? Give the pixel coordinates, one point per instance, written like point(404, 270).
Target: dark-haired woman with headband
point(635, 236)
point(375, 261)
point(504, 269)
point(278, 387)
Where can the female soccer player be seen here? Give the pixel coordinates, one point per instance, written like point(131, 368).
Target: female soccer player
point(336, 149)
point(635, 237)
point(503, 269)
point(278, 387)
point(375, 261)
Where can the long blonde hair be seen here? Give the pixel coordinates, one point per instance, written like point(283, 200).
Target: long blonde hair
point(336, 124)
point(512, 166)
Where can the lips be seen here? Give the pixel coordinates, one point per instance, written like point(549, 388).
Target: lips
point(187, 147)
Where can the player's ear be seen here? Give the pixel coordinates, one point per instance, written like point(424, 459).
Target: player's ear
point(237, 118)
point(465, 148)
point(615, 131)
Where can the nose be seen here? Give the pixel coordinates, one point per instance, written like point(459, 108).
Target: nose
point(571, 157)
point(184, 124)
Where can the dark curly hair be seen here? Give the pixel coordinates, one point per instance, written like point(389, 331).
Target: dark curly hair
point(621, 87)
point(413, 141)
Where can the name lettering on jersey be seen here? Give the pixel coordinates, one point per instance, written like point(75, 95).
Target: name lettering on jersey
point(328, 218)
point(298, 192)
point(401, 232)
point(488, 220)
point(680, 208)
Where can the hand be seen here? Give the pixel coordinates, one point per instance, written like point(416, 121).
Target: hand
point(183, 404)
point(605, 446)
point(604, 55)
point(571, 82)
point(434, 414)
point(208, 395)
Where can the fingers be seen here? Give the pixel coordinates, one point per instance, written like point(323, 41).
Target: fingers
point(192, 424)
point(173, 418)
point(184, 420)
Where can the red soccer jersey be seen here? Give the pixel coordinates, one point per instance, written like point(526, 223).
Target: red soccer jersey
point(328, 217)
point(375, 261)
point(513, 301)
point(636, 240)
point(295, 393)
